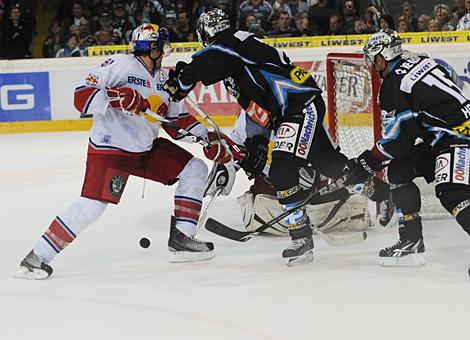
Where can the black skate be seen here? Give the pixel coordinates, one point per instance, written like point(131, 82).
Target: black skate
point(403, 253)
point(299, 251)
point(183, 248)
point(32, 267)
point(385, 212)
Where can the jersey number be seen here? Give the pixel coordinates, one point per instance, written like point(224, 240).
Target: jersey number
point(439, 79)
point(258, 114)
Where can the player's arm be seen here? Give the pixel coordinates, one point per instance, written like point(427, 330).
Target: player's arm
point(208, 66)
point(398, 139)
point(105, 87)
point(178, 114)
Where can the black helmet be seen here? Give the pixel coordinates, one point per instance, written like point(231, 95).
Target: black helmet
point(211, 23)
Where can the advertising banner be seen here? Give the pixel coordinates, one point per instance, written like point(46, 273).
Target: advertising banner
point(24, 97)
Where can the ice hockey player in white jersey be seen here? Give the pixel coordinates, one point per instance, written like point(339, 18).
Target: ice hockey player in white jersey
point(123, 142)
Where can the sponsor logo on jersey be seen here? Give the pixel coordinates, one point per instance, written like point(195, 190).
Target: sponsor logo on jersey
point(287, 130)
point(116, 185)
point(107, 62)
point(286, 136)
point(299, 75)
point(442, 169)
point(417, 73)
point(306, 135)
point(92, 79)
point(138, 81)
point(466, 111)
point(106, 139)
point(461, 166)
point(464, 128)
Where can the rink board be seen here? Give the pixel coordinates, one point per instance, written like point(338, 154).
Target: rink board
point(37, 95)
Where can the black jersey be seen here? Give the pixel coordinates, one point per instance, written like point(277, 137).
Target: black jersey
point(264, 81)
point(418, 99)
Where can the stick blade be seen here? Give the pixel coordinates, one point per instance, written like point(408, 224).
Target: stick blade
point(222, 230)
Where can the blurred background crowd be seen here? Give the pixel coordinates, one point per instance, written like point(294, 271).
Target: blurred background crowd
point(66, 28)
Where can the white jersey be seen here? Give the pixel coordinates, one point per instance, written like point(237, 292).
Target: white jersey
point(113, 128)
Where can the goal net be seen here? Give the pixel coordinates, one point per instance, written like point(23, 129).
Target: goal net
point(354, 118)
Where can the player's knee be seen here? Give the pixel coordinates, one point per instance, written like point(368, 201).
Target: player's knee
point(407, 197)
point(457, 202)
point(399, 172)
point(282, 173)
point(82, 213)
point(194, 169)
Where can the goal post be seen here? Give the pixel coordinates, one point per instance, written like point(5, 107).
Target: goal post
point(354, 117)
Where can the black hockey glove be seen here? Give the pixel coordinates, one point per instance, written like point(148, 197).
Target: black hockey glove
point(173, 86)
point(360, 168)
point(254, 162)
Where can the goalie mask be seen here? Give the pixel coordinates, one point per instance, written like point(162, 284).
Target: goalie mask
point(386, 43)
point(145, 34)
point(209, 24)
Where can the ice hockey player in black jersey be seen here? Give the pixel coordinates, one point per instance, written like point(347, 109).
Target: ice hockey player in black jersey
point(277, 96)
point(426, 121)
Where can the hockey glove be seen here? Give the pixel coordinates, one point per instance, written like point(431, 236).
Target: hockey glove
point(222, 148)
point(128, 100)
point(173, 85)
point(255, 162)
point(221, 177)
point(360, 168)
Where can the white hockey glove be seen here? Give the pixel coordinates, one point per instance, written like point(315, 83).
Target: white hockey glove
point(221, 177)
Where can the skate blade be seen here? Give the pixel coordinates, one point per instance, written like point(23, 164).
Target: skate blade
point(299, 260)
point(188, 256)
point(412, 260)
point(34, 274)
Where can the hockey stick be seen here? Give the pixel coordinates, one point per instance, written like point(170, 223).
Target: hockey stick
point(204, 115)
point(179, 129)
point(341, 241)
point(203, 217)
point(216, 128)
point(242, 236)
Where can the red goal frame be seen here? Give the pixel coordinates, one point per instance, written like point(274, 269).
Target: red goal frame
point(330, 85)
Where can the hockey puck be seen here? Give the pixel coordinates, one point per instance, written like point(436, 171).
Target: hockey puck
point(144, 242)
point(469, 271)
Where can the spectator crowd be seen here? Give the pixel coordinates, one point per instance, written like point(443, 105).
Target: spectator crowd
point(80, 24)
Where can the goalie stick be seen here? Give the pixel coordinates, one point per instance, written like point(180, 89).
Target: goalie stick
point(242, 236)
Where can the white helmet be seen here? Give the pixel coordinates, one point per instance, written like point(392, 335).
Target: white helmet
point(143, 36)
point(387, 43)
point(209, 24)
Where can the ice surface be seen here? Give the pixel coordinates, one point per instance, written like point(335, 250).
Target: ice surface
point(106, 287)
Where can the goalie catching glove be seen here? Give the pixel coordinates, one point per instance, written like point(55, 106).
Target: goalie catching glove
point(128, 100)
point(222, 149)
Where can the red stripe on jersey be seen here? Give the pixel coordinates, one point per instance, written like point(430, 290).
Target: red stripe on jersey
point(81, 97)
